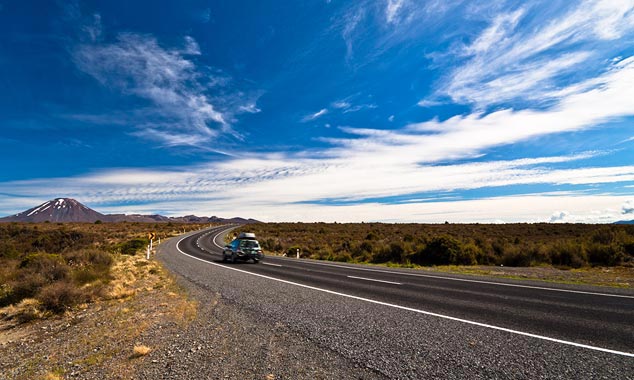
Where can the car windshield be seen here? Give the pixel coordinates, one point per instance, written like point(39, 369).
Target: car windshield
point(249, 244)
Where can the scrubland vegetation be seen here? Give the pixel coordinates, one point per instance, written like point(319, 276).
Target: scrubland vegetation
point(47, 268)
point(559, 245)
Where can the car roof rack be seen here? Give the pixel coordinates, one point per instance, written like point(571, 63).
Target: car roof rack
point(246, 235)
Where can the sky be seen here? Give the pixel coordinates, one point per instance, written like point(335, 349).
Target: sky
point(321, 110)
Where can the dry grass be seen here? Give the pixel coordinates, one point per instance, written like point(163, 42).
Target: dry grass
point(26, 310)
point(53, 376)
point(140, 351)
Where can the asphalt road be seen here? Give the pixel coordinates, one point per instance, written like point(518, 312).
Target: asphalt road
point(411, 324)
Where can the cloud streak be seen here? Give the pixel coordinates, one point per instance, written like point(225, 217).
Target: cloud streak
point(508, 63)
point(182, 112)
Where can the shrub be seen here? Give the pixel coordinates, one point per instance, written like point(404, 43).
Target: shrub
point(26, 285)
point(568, 254)
point(599, 254)
point(91, 257)
point(59, 296)
point(50, 266)
point(440, 250)
point(468, 255)
point(514, 256)
point(394, 253)
point(131, 247)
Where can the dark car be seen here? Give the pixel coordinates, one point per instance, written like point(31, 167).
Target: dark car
point(245, 247)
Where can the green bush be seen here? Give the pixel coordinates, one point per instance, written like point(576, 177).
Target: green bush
point(394, 253)
point(569, 254)
point(514, 256)
point(440, 250)
point(131, 247)
point(599, 254)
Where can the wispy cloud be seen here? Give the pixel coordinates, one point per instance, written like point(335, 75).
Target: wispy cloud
point(138, 65)
point(189, 104)
point(426, 103)
point(507, 63)
point(392, 9)
point(314, 116)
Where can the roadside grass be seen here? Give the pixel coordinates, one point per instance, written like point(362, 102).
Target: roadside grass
point(86, 304)
point(55, 267)
point(616, 277)
point(99, 336)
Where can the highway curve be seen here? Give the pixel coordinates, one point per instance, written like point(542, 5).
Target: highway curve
point(403, 323)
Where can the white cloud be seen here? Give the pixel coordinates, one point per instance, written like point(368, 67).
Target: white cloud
point(502, 26)
point(506, 63)
point(426, 103)
point(315, 115)
point(183, 112)
point(628, 207)
point(559, 216)
point(250, 108)
point(350, 29)
point(392, 9)
point(341, 104)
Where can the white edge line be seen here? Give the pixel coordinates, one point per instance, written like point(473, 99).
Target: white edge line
point(372, 279)
point(622, 353)
point(466, 280)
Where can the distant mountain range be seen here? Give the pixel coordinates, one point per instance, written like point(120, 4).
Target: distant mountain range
point(69, 210)
point(625, 222)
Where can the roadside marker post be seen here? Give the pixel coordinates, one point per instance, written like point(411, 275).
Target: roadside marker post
point(151, 236)
point(147, 256)
point(298, 253)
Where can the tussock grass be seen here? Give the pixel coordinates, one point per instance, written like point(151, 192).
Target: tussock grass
point(140, 351)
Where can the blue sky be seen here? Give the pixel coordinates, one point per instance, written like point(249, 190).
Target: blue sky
point(388, 110)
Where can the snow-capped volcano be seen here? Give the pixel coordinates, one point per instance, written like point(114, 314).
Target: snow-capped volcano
point(69, 210)
point(57, 210)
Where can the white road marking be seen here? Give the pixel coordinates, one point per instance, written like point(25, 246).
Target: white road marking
point(372, 279)
point(522, 333)
point(465, 280)
point(273, 265)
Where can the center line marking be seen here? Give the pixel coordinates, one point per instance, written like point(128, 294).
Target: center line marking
point(371, 279)
point(273, 265)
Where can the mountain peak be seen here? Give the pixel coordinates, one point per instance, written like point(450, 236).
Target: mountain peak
point(62, 210)
point(57, 210)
